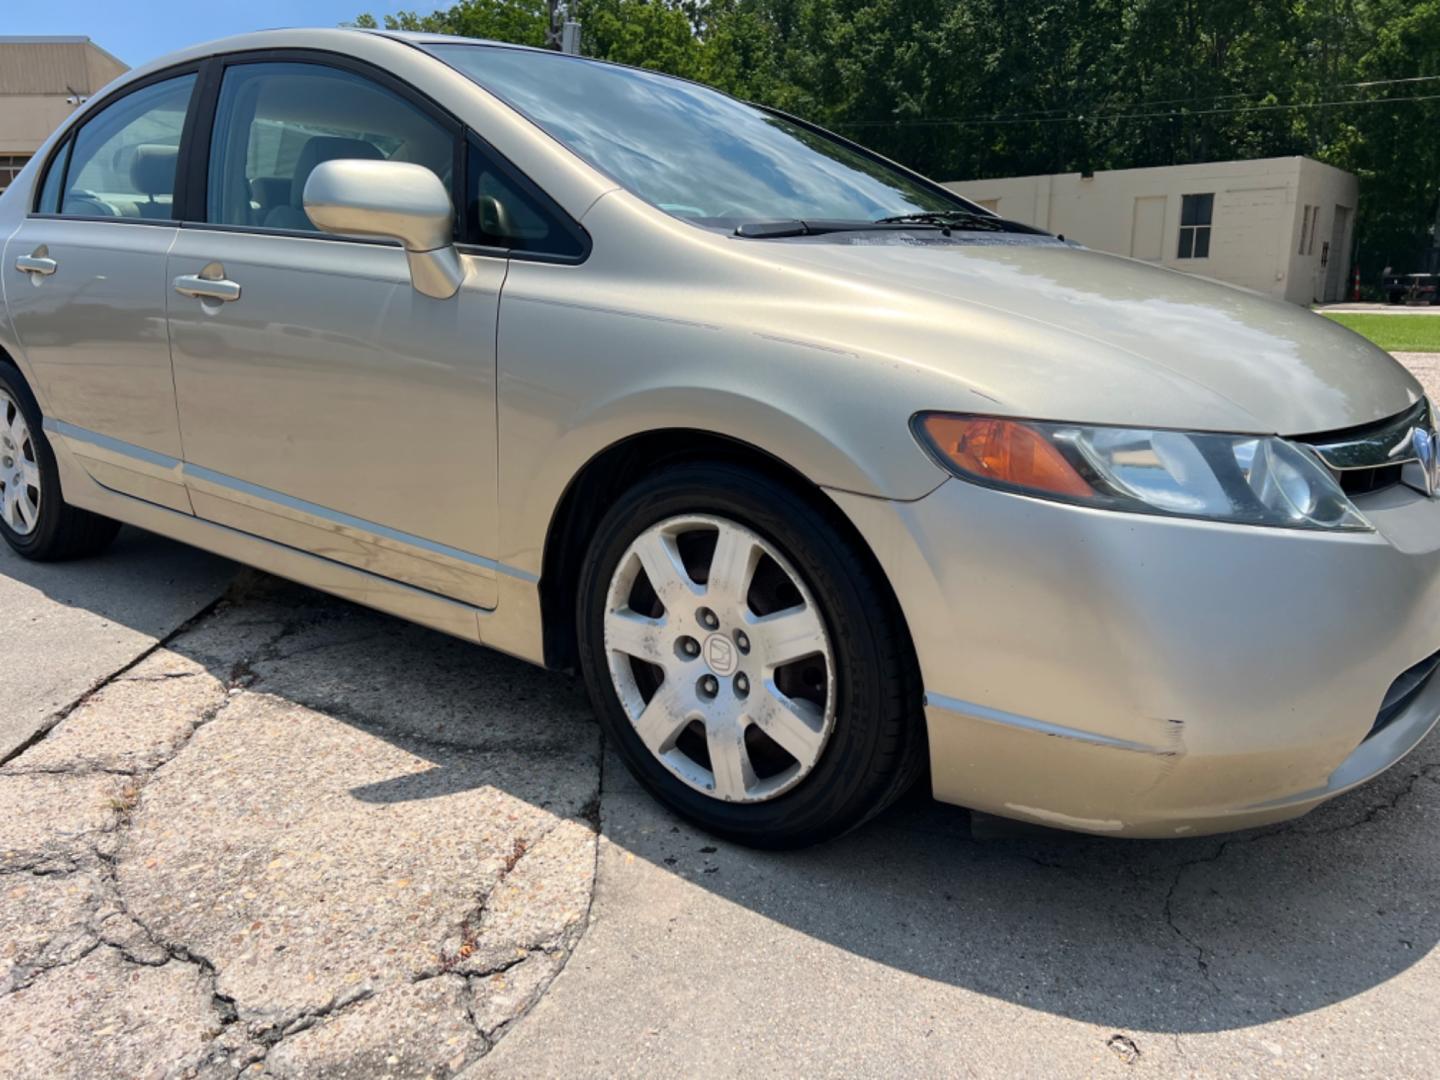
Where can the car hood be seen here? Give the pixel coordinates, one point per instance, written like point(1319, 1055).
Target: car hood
point(1107, 327)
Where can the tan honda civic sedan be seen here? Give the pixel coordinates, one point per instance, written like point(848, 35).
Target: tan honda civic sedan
point(824, 477)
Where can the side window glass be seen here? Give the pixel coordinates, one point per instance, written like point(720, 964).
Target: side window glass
point(276, 122)
point(123, 160)
point(507, 211)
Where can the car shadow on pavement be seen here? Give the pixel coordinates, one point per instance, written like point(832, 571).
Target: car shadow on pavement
point(1182, 936)
point(145, 582)
point(1205, 934)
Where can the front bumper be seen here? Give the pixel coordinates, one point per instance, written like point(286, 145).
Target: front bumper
point(1146, 676)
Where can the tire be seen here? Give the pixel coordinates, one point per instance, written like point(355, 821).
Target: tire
point(865, 701)
point(55, 530)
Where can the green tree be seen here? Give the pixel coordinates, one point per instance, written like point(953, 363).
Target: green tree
point(523, 22)
point(968, 88)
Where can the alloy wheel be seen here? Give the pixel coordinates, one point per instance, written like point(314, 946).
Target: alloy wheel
point(19, 470)
point(720, 657)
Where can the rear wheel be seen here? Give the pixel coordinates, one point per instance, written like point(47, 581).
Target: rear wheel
point(34, 520)
point(746, 658)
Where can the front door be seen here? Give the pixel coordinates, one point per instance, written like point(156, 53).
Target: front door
point(87, 290)
point(324, 402)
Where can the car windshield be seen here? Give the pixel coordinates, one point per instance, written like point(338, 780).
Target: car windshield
point(692, 151)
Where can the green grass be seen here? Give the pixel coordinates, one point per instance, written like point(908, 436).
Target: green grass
point(1394, 333)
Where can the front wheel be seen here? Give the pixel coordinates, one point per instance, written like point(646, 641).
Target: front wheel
point(34, 520)
point(747, 659)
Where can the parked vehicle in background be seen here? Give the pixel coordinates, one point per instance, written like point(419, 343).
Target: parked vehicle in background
point(822, 476)
point(1412, 289)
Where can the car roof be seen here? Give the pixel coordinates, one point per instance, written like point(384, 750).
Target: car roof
point(418, 37)
point(324, 37)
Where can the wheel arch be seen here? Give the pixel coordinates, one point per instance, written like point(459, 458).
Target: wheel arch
point(619, 466)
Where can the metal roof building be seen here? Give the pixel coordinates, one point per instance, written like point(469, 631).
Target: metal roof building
point(1281, 226)
point(42, 80)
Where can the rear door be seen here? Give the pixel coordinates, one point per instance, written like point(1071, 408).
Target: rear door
point(87, 288)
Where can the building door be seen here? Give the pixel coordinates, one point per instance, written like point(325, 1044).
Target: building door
point(1339, 256)
point(1147, 228)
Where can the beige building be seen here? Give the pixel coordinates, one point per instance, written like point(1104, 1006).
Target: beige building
point(42, 80)
point(1281, 226)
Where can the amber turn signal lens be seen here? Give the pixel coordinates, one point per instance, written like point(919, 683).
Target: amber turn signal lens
point(1004, 452)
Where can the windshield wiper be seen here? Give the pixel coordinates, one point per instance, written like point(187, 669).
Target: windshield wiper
point(776, 230)
point(945, 221)
point(960, 220)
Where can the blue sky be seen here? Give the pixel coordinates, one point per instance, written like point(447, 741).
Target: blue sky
point(140, 32)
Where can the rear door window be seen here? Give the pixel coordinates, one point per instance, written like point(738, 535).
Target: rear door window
point(124, 159)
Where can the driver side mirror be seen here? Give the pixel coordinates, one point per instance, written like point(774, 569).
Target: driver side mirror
point(392, 200)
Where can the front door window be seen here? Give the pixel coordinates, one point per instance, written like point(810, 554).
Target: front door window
point(276, 122)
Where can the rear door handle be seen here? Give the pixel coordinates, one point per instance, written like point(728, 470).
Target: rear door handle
point(40, 265)
point(210, 284)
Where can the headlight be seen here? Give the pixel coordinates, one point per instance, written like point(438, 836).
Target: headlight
point(1247, 479)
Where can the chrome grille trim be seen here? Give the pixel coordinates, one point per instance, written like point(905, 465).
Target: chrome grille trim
point(1384, 444)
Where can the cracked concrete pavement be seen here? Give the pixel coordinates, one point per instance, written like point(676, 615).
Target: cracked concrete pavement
point(290, 837)
point(70, 626)
point(229, 859)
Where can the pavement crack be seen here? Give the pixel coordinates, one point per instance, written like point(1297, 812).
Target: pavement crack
point(164, 676)
point(310, 1017)
point(468, 1000)
point(1377, 810)
point(470, 924)
point(593, 814)
point(1202, 963)
point(57, 717)
point(24, 976)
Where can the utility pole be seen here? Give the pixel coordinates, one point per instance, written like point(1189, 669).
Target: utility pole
point(564, 32)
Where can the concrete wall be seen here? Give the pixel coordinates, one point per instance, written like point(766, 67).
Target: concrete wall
point(1256, 222)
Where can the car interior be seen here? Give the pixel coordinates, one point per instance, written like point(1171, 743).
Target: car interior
point(275, 124)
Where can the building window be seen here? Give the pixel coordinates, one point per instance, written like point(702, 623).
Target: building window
point(10, 166)
point(1195, 214)
point(1309, 225)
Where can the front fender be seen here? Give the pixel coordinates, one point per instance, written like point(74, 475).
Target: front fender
point(535, 478)
point(579, 378)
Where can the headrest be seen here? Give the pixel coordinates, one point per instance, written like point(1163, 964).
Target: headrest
point(152, 169)
point(327, 148)
point(270, 191)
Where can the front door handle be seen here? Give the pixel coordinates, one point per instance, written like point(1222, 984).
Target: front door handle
point(38, 263)
point(209, 284)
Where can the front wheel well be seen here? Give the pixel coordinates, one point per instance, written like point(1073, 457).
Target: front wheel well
point(617, 468)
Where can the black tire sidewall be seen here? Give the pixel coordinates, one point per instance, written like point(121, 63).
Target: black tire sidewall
point(42, 537)
point(844, 786)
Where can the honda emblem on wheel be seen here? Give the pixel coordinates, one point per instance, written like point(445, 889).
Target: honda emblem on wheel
point(720, 655)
